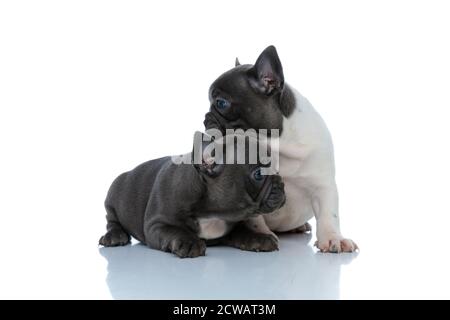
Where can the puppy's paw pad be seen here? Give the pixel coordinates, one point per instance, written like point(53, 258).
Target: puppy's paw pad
point(189, 248)
point(114, 238)
point(336, 245)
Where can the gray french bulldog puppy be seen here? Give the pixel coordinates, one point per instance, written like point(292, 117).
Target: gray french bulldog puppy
point(256, 96)
point(179, 207)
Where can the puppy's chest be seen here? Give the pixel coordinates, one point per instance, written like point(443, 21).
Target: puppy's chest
point(212, 228)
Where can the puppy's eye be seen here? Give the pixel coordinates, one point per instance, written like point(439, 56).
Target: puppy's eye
point(257, 175)
point(222, 103)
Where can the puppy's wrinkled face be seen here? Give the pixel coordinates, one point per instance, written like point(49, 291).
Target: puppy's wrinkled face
point(237, 192)
point(235, 103)
point(250, 96)
point(245, 191)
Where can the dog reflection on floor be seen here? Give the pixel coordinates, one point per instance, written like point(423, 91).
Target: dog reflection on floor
point(294, 272)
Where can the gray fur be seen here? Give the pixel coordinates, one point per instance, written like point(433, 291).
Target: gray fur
point(159, 203)
point(257, 94)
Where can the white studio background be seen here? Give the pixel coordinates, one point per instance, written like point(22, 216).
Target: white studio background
point(89, 89)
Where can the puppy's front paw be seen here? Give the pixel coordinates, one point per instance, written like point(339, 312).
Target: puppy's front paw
point(335, 244)
point(260, 242)
point(114, 238)
point(254, 242)
point(188, 248)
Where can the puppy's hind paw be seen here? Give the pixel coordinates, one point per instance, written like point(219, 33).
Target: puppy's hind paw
point(302, 229)
point(114, 238)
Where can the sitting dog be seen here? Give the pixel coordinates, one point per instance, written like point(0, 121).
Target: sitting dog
point(176, 207)
point(256, 96)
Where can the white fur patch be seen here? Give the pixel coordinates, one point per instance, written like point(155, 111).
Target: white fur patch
point(306, 165)
point(212, 228)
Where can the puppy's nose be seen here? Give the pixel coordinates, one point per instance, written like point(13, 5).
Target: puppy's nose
point(276, 180)
point(210, 121)
point(276, 198)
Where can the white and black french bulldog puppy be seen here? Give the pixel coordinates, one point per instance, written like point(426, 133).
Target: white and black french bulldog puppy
point(256, 96)
point(177, 207)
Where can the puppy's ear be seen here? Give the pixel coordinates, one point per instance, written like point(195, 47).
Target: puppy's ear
point(266, 76)
point(203, 154)
point(236, 62)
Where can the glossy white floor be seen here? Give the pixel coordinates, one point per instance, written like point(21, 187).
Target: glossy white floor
point(295, 272)
point(386, 267)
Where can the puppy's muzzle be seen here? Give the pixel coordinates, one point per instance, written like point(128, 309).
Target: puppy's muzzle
point(274, 197)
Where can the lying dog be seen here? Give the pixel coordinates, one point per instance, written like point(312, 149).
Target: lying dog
point(176, 207)
point(256, 96)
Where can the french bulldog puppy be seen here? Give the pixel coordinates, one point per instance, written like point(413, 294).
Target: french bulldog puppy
point(256, 96)
point(176, 207)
